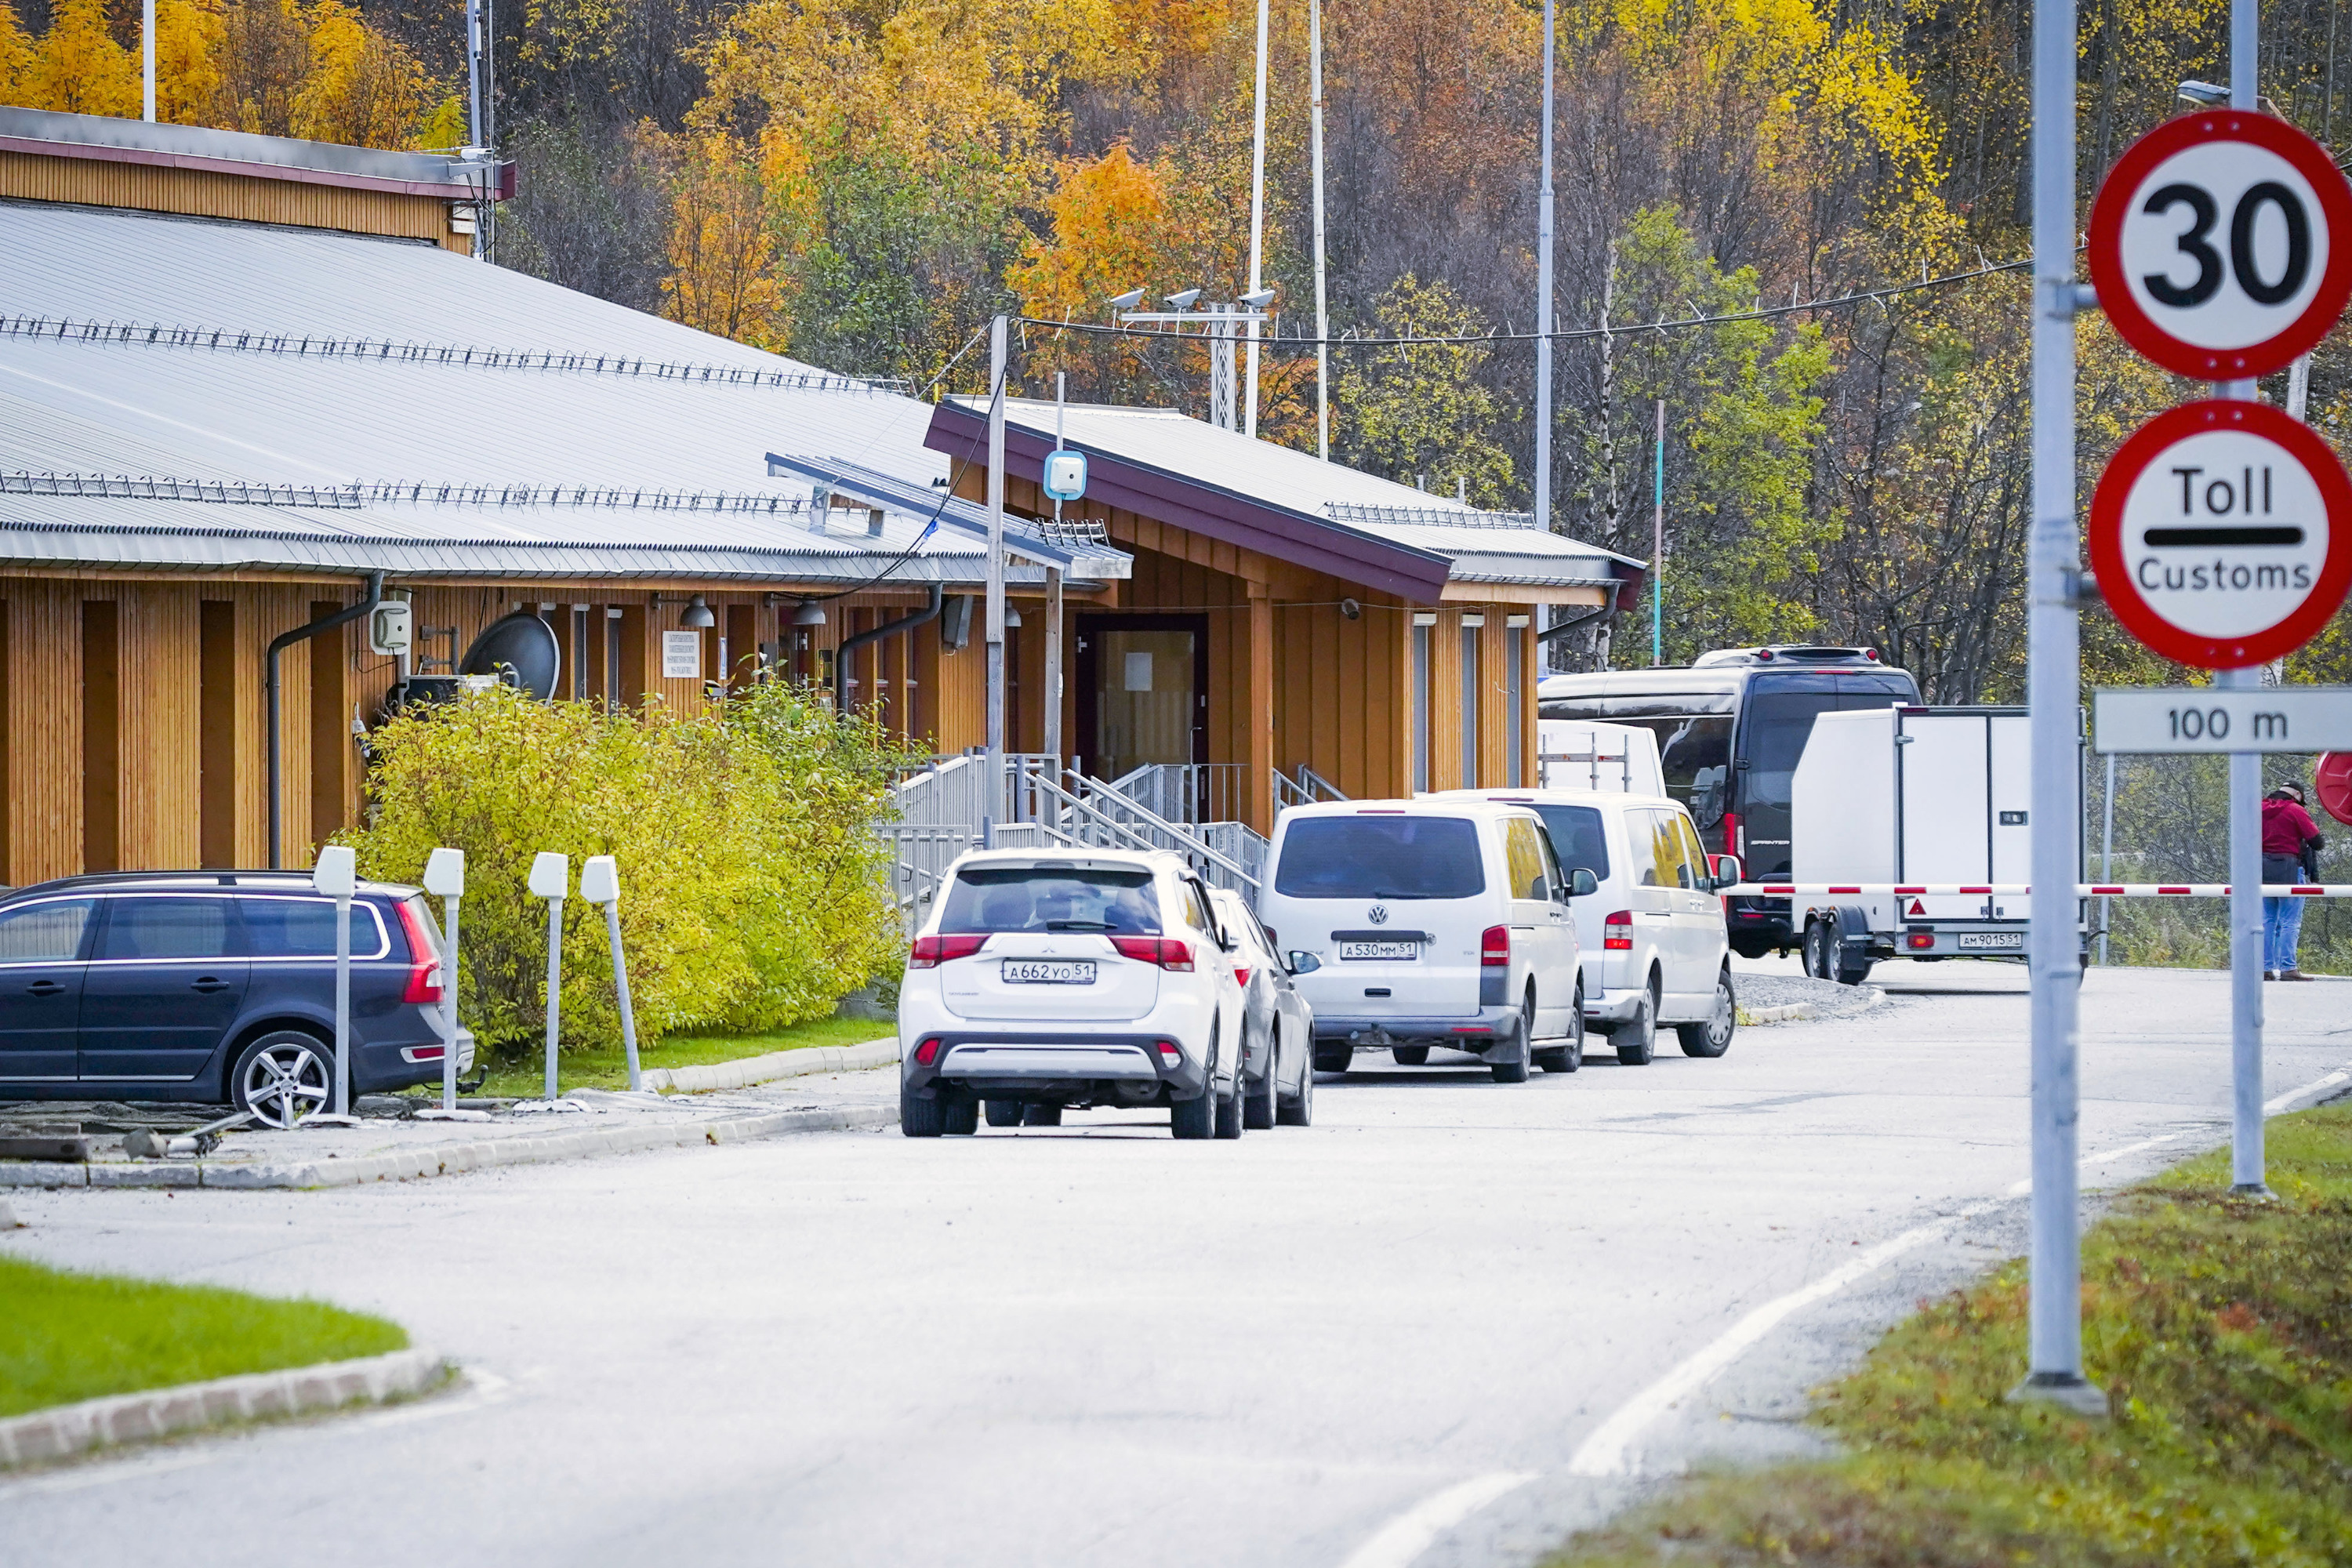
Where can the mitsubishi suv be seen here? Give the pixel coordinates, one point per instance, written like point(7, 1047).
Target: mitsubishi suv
point(1052, 980)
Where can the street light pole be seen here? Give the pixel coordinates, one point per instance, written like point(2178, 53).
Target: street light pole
point(1322, 306)
point(1258, 216)
point(996, 628)
point(1543, 296)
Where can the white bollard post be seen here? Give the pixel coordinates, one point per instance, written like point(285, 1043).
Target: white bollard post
point(550, 878)
point(336, 875)
point(444, 878)
point(600, 884)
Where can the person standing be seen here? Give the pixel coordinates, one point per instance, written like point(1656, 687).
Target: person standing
point(2291, 846)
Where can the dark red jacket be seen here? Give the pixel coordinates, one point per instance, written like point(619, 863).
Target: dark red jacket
point(2286, 828)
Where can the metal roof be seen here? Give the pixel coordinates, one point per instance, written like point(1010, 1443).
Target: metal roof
point(1329, 499)
point(253, 399)
point(1079, 549)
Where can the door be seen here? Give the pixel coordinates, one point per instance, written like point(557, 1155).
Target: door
point(1143, 691)
point(1663, 885)
point(165, 982)
point(42, 949)
point(1540, 919)
point(1700, 936)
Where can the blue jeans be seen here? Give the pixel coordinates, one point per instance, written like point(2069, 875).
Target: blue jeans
point(2281, 928)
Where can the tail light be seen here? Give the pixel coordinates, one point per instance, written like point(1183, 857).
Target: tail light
point(928, 1052)
point(1495, 947)
point(1241, 975)
point(930, 951)
point(1170, 953)
point(1617, 931)
point(1171, 1054)
point(1919, 939)
point(1731, 845)
point(424, 962)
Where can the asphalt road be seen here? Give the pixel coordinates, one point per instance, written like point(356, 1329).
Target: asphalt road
point(1096, 1345)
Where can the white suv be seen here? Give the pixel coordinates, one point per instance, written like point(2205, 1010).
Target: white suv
point(1054, 978)
point(1428, 922)
point(1656, 949)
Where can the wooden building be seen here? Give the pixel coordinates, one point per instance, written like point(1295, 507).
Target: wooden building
point(241, 378)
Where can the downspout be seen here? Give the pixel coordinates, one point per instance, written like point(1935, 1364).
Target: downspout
point(373, 597)
point(1608, 606)
point(930, 612)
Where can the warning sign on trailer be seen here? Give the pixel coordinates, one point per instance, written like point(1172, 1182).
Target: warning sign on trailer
point(2211, 534)
point(2220, 243)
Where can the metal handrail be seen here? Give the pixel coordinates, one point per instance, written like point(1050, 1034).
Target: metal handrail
point(1180, 842)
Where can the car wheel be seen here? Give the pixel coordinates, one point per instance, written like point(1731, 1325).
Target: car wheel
point(1514, 1068)
point(1569, 1056)
point(1335, 1057)
point(1196, 1118)
point(1042, 1116)
point(958, 1114)
point(1003, 1113)
point(284, 1077)
point(1299, 1112)
point(1409, 1056)
point(1852, 971)
point(1711, 1037)
point(920, 1118)
point(1817, 949)
point(1637, 1038)
point(1259, 1109)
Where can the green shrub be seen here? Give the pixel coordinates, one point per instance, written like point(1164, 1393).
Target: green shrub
point(754, 889)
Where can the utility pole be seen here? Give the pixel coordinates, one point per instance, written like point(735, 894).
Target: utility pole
point(1054, 606)
point(1543, 297)
point(2054, 660)
point(995, 627)
point(1258, 216)
point(147, 57)
point(1322, 306)
point(1658, 546)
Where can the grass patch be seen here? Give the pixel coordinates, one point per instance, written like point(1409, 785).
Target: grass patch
point(66, 1337)
point(2222, 1329)
point(523, 1076)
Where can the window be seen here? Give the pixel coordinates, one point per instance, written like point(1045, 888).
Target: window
point(1113, 900)
point(165, 927)
point(1578, 836)
point(1694, 855)
point(1695, 754)
point(48, 933)
point(1470, 635)
point(1778, 724)
point(305, 928)
point(1420, 709)
point(1668, 862)
point(1523, 854)
point(1368, 857)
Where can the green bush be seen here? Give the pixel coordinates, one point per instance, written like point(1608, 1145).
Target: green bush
point(754, 889)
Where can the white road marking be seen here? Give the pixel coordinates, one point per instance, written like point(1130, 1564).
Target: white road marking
point(2317, 1085)
point(1410, 1533)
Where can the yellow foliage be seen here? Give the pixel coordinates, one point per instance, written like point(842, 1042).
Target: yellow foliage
point(1109, 220)
point(15, 53)
point(720, 252)
point(189, 36)
point(78, 68)
point(362, 89)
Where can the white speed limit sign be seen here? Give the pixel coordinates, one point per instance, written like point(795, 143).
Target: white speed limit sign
point(2221, 244)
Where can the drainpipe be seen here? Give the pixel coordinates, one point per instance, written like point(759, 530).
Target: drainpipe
point(930, 612)
point(373, 597)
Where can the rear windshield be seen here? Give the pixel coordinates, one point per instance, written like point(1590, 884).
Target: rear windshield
point(1381, 858)
point(1577, 838)
point(1115, 900)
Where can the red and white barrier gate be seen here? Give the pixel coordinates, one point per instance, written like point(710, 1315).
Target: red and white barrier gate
point(2081, 889)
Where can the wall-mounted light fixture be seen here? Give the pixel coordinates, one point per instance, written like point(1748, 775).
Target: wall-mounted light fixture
point(697, 614)
point(810, 614)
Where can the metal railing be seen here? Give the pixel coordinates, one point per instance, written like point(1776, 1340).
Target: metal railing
point(1188, 792)
point(1306, 789)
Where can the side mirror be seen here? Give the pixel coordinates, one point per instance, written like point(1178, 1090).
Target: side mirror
point(1581, 883)
point(1303, 963)
point(1725, 871)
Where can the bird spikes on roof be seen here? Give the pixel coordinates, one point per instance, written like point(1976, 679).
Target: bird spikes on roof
point(352, 497)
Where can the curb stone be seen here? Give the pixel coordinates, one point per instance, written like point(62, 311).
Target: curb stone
point(71, 1429)
point(1791, 1012)
point(751, 1070)
point(454, 1159)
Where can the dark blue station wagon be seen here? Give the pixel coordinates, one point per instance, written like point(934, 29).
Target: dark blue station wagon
point(214, 985)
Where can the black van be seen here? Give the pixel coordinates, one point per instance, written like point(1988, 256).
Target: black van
point(1730, 729)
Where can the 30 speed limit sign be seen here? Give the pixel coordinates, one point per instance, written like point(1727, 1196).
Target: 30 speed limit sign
point(2211, 534)
point(2222, 245)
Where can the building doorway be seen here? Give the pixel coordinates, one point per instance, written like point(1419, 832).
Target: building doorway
point(1143, 691)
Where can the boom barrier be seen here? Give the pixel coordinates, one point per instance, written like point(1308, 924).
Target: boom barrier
point(2081, 889)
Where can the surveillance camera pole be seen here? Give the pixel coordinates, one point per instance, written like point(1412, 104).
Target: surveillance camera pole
point(995, 802)
point(444, 875)
point(335, 874)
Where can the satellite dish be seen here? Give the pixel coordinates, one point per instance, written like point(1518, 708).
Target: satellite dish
point(520, 649)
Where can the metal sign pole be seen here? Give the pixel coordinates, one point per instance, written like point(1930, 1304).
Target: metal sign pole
point(600, 884)
point(550, 878)
point(2054, 680)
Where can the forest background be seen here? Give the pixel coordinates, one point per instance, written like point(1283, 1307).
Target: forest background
point(861, 184)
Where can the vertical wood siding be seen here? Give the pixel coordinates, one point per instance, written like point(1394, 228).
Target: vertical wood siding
point(199, 193)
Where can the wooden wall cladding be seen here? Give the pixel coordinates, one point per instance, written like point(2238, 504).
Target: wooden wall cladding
point(198, 193)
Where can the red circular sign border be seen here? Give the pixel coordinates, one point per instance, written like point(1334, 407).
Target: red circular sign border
point(2148, 443)
point(2135, 327)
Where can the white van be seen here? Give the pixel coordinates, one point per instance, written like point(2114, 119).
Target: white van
point(1591, 754)
point(1654, 944)
point(1428, 923)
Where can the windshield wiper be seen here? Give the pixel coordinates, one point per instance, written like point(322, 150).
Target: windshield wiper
point(1078, 925)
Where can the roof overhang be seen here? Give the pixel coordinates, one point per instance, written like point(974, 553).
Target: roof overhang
point(1076, 554)
point(104, 138)
point(1209, 510)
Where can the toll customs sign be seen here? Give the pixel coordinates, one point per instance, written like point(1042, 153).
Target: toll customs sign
point(2220, 243)
point(2211, 534)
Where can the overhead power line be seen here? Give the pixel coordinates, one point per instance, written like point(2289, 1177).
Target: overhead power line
point(1664, 324)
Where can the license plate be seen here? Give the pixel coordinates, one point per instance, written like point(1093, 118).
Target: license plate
point(1992, 939)
point(1391, 949)
point(1043, 972)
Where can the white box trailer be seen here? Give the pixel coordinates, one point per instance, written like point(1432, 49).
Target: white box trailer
point(1907, 797)
point(1593, 754)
